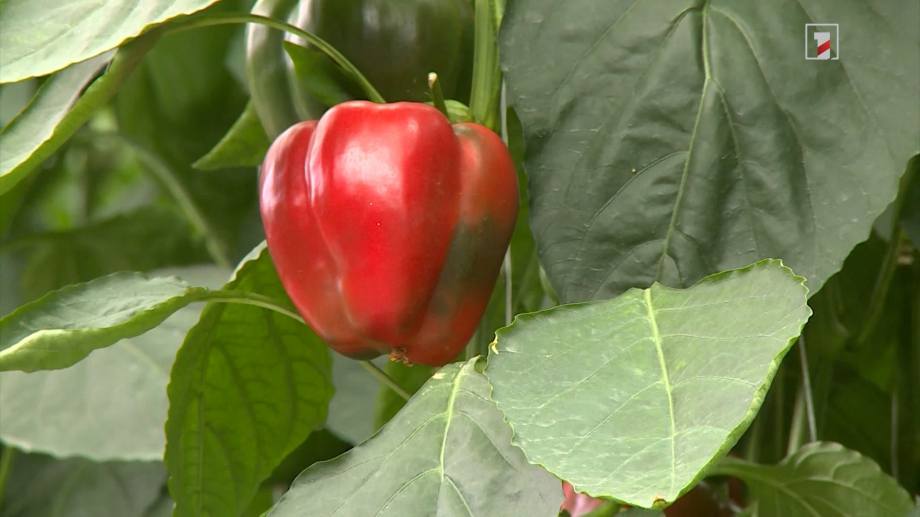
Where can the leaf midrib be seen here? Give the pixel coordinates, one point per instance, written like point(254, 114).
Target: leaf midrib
point(666, 380)
point(682, 186)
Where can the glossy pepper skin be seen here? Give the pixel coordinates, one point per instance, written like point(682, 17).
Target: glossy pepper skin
point(394, 43)
point(388, 226)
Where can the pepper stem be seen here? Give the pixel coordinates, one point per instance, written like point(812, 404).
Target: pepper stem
point(385, 379)
point(487, 77)
point(437, 95)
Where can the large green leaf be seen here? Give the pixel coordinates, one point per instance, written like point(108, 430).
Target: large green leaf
point(448, 452)
point(648, 388)
point(64, 326)
point(38, 38)
point(40, 486)
point(821, 479)
point(672, 139)
point(110, 406)
point(59, 108)
point(248, 386)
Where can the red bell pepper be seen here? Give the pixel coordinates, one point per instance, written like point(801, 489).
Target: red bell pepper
point(388, 226)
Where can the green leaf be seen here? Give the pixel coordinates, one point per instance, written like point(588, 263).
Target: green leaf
point(39, 38)
point(40, 486)
point(448, 452)
point(820, 479)
point(649, 387)
point(244, 145)
point(35, 123)
point(857, 415)
point(13, 98)
point(64, 326)
point(321, 445)
point(110, 406)
point(248, 386)
point(58, 110)
point(120, 243)
point(676, 139)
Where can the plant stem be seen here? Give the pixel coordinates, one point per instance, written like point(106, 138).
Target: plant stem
point(806, 389)
point(779, 415)
point(385, 379)
point(258, 300)
point(212, 19)
point(894, 433)
point(254, 299)
point(486, 88)
point(890, 262)
point(6, 465)
point(882, 284)
point(509, 294)
point(437, 95)
point(752, 447)
point(798, 420)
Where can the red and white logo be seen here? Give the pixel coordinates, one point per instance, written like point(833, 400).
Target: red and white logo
point(822, 41)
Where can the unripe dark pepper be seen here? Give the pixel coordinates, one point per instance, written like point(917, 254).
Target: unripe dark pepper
point(395, 44)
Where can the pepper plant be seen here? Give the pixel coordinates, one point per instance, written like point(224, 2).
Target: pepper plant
point(459, 257)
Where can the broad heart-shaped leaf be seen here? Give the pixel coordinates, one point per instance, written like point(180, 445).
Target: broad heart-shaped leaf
point(672, 139)
point(110, 406)
point(59, 108)
point(448, 452)
point(248, 386)
point(631, 398)
point(38, 38)
point(64, 326)
point(821, 479)
point(41, 486)
point(244, 145)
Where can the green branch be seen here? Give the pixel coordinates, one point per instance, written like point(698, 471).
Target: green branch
point(321, 44)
